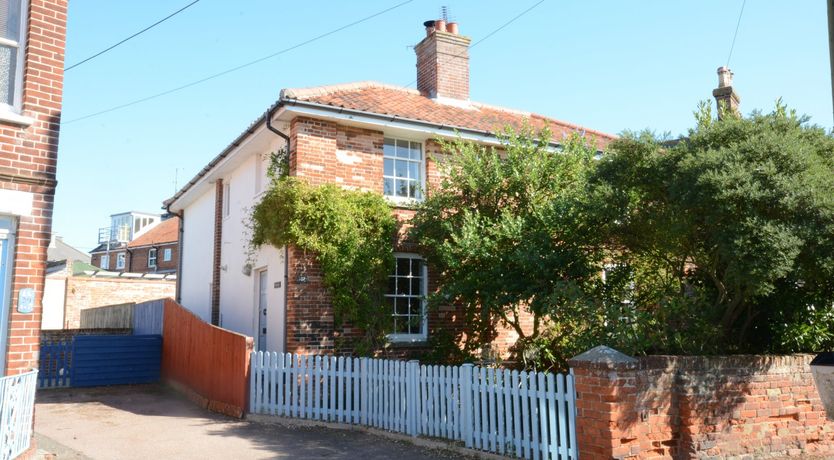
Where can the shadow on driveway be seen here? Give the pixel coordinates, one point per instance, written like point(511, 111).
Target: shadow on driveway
point(153, 422)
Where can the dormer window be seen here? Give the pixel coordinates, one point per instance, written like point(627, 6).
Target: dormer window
point(403, 166)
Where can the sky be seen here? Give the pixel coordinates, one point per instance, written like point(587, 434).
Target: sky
point(607, 65)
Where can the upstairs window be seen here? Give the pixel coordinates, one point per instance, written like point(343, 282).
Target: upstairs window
point(403, 166)
point(120, 261)
point(406, 298)
point(152, 258)
point(105, 262)
point(12, 30)
point(166, 255)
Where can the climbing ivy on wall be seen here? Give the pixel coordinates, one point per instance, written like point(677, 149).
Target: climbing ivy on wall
point(349, 233)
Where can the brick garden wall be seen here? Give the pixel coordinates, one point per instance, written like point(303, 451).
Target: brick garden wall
point(730, 407)
point(28, 160)
point(84, 293)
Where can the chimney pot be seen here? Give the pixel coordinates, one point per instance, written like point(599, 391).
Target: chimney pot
point(429, 25)
point(440, 25)
point(725, 77)
point(452, 28)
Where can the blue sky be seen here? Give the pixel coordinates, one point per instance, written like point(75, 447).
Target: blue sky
point(607, 65)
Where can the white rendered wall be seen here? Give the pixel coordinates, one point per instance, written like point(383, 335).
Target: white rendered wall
point(54, 291)
point(197, 255)
point(239, 291)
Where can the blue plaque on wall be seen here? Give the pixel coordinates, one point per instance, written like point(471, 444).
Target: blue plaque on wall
point(26, 300)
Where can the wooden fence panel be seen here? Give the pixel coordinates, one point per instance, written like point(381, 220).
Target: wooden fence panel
point(529, 415)
point(147, 317)
point(109, 317)
point(115, 360)
point(209, 362)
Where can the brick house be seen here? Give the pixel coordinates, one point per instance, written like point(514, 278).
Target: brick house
point(32, 41)
point(366, 136)
point(154, 250)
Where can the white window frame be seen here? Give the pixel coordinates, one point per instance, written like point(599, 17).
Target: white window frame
point(16, 108)
point(227, 193)
point(423, 334)
point(152, 256)
point(104, 262)
point(121, 258)
point(402, 200)
point(166, 255)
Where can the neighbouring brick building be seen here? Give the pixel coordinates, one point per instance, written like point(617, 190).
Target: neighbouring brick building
point(366, 136)
point(155, 250)
point(31, 86)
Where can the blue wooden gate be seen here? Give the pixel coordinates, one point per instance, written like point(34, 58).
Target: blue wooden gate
point(95, 360)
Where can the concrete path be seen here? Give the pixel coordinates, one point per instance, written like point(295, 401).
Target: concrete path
point(152, 422)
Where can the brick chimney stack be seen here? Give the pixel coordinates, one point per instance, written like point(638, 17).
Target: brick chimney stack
point(725, 96)
point(443, 62)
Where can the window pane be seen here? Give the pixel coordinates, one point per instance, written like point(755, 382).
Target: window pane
point(402, 149)
point(414, 170)
point(403, 266)
point(388, 167)
point(403, 306)
point(10, 19)
point(416, 151)
point(402, 187)
point(388, 187)
point(392, 285)
point(416, 267)
point(415, 324)
point(8, 66)
point(416, 288)
point(402, 168)
point(388, 148)
point(401, 325)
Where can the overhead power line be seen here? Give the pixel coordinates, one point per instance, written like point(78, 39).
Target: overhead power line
point(132, 36)
point(733, 45)
point(495, 31)
point(239, 67)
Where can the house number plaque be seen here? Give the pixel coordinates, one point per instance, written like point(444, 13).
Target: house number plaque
point(26, 300)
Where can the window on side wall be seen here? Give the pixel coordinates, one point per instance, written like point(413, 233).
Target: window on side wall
point(12, 47)
point(226, 197)
point(120, 261)
point(406, 298)
point(105, 263)
point(403, 166)
point(166, 255)
point(152, 258)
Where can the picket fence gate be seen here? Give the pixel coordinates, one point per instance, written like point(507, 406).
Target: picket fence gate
point(529, 415)
point(17, 406)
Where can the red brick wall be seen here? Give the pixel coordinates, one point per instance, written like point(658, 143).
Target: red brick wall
point(137, 259)
point(85, 292)
point(700, 407)
point(28, 158)
point(326, 152)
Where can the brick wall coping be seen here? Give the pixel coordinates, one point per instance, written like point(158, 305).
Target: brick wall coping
point(598, 359)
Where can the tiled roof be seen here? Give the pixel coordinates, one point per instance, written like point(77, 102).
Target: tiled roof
point(406, 103)
point(166, 232)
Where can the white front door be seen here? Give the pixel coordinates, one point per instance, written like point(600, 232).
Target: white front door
point(6, 258)
point(263, 284)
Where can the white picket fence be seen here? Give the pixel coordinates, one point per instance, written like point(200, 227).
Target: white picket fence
point(17, 405)
point(523, 414)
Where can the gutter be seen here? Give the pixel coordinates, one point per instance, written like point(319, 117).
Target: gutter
point(286, 138)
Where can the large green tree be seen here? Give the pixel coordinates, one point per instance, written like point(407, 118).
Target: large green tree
point(507, 233)
point(727, 236)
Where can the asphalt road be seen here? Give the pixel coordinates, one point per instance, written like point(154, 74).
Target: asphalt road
point(153, 422)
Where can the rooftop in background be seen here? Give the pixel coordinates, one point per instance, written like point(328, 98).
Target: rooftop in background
point(58, 250)
point(165, 232)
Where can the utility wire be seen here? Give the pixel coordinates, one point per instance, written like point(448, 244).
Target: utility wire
point(132, 36)
point(236, 68)
point(500, 28)
point(733, 45)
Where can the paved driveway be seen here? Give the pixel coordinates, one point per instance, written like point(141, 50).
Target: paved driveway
point(152, 422)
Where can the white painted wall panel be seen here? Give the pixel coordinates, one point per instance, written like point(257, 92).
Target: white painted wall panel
point(197, 255)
